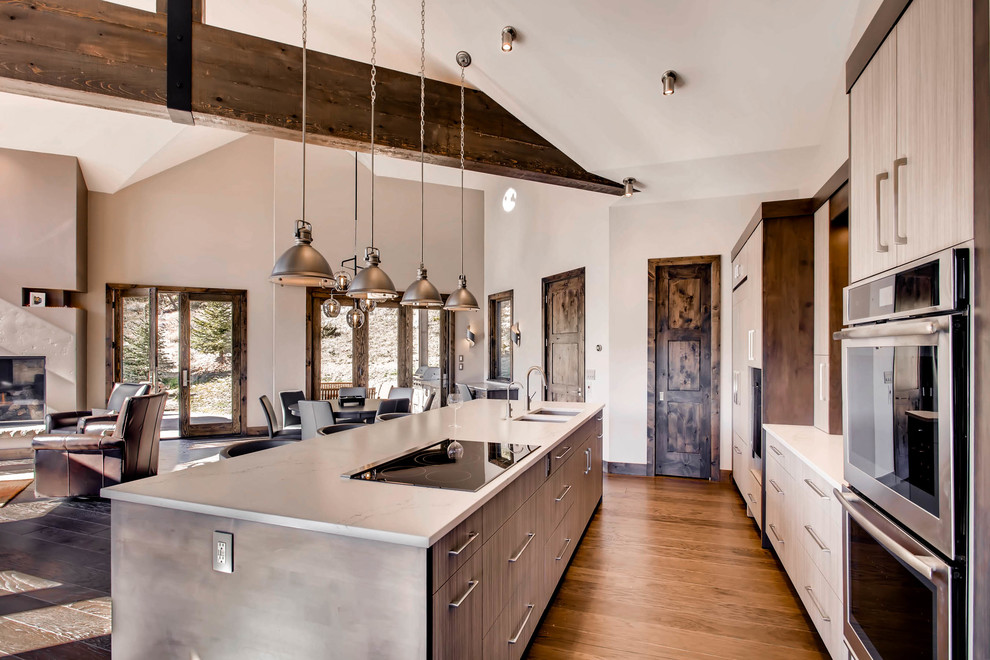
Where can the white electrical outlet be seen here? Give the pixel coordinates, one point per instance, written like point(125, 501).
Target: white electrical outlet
point(223, 552)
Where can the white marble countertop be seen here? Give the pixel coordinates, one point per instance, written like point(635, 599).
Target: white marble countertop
point(823, 452)
point(300, 485)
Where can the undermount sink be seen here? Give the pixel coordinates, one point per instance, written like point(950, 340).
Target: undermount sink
point(542, 418)
point(555, 412)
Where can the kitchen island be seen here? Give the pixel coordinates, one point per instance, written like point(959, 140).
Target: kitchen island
point(327, 566)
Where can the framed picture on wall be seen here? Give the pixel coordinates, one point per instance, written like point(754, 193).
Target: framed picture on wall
point(37, 298)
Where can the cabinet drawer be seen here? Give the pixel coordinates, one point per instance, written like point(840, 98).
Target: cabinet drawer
point(458, 613)
point(507, 502)
point(511, 555)
point(561, 490)
point(508, 637)
point(779, 505)
point(453, 550)
point(822, 604)
point(560, 546)
point(777, 451)
point(754, 500)
point(567, 448)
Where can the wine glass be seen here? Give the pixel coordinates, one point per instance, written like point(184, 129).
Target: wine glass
point(455, 401)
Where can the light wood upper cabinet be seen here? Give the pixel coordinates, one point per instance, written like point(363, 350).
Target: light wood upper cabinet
point(933, 176)
point(911, 140)
point(872, 137)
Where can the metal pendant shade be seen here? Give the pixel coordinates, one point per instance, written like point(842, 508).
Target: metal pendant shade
point(372, 283)
point(421, 293)
point(461, 300)
point(302, 264)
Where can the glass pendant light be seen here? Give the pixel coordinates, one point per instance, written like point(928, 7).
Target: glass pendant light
point(302, 264)
point(331, 308)
point(462, 300)
point(355, 317)
point(422, 293)
point(372, 283)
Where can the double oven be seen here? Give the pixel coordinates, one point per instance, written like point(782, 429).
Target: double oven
point(906, 420)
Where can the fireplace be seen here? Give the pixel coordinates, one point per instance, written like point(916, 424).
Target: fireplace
point(22, 390)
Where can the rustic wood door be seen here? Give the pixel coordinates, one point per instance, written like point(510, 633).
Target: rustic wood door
point(683, 369)
point(563, 332)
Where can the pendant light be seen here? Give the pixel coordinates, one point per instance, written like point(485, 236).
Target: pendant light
point(331, 308)
point(302, 264)
point(462, 300)
point(422, 293)
point(372, 283)
point(355, 317)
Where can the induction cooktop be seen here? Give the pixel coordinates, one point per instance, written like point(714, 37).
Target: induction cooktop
point(433, 467)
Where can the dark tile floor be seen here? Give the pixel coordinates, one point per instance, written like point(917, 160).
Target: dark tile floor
point(55, 565)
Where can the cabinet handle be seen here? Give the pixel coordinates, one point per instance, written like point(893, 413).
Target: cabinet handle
point(814, 600)
point(773, 528)
point(817, 539)
point(751, 498)
point(751, 333)
point(600, 417)
point(737, 450)
point(900, 240)
point(881, 247)
point(776, 451)
point(563, 453)
point(515, 558)
point(776, 487)
point(735, 387)
point(821, 381)
point(470, 539)
point(522, 626)
point(587, 453)
point(460, 601)
point(812, 486)
point(563, 494)
point(560, 555)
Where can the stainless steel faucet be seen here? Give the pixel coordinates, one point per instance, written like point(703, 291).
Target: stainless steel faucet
point(508, 398)
point(543, 375)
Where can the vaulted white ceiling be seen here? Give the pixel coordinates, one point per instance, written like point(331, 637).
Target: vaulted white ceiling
point(758, 81)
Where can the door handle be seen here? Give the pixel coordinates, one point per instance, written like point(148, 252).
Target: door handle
point(587, 453)
point(751, 333)
point(735, 387)
point(881, 246)
point(900, 240)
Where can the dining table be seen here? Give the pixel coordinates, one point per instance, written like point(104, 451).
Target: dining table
point(362, 413)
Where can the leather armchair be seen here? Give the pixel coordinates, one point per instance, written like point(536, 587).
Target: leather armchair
point(77, 421)
point(80, 464)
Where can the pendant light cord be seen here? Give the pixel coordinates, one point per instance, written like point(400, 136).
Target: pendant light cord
point(422, 132)
point(374, 72)
point(305, 8)
point(462, 170)
point(355, 210)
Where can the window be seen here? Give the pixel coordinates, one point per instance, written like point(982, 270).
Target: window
point(336, 346)
point(383, 347)
point(499, 333)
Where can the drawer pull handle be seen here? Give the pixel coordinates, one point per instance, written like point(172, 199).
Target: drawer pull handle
point(470, 539)
point(564, 493)
point(776, 451)
point(751, 498)
point(776, 487)
point(818, 491)
point(817, 539)
point(563, 453)
point(600, 436)
point(460, 601)
point(515, 558)
point(736, 449)
point(529, 612)
point(600, 417)
point(560, 556)
point(814, 600)
point(587, 455)
point(773, 528)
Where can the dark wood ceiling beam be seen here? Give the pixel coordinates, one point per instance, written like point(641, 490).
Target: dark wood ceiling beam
point(110, 56)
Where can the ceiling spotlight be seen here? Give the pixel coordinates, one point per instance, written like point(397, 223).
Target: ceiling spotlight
point(669, 79)
point(508, 36)
point(628, 184)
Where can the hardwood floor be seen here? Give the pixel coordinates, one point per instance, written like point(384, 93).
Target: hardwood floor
point(669, 568)
point(673, 568)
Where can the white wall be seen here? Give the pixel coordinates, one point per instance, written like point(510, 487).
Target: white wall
point(43, 216)
point(221, 220)
point(550, 230)
point(642, 232)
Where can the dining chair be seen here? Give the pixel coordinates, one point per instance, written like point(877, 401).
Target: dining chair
point(388, 416)
point(401, 393)
point(287, 398)
point(388, 406)
point(315, 415)
point(339, 428)
point(353, 391)
point(465, 391)
point(274, 431)
point(429, 401)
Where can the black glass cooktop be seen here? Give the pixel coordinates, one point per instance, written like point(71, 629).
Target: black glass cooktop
point(480, 463)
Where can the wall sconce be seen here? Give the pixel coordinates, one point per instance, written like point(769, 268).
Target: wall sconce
point(668, 81)
point(514, 334)
point(469, 335)
point(508, 36)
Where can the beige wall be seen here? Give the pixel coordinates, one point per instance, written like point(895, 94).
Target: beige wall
point(43, 216)
point(222, 219)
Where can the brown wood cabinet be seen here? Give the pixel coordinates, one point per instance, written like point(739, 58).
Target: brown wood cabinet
point(515, 549)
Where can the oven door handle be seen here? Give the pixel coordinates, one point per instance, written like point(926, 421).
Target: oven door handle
point(901, 329)
point(926, 566)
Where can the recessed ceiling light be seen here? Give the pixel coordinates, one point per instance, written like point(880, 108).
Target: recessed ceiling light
point(508, 36)
point(668, 80)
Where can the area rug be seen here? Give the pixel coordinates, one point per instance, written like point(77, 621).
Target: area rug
point(11, 486)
